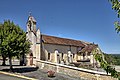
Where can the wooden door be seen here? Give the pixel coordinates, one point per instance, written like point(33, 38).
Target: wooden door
point(31, 59)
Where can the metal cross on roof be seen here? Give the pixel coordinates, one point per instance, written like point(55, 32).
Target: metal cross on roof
point(30, 13)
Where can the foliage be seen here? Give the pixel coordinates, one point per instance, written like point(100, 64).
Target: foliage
point(13, 41)
point(3, 33)
point(0, 39)
point(112, 59)
point(109, 58)
point(117, 26)
point(105, 65)
point(116, 7)
point(117, 59)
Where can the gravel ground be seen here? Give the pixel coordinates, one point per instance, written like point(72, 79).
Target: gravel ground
point(42, 75)
point(39, 74)
point(36, 73)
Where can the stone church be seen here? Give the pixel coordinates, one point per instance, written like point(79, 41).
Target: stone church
point(56, 49)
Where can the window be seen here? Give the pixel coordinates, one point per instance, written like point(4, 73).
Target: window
point(56, 51)
point(62, 55)
point(48, 56)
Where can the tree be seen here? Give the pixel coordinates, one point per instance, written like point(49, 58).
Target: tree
point(116, 7)
point(2, 51)
point(107, 67)
point(23, 47)
point(13, 42)
point(109, 58)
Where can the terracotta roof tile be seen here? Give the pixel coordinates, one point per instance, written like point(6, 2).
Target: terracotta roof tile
point(89, 48)
point(61, 41)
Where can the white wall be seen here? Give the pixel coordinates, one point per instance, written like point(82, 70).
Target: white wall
point(61, 48)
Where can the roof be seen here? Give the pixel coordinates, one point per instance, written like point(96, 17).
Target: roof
point(89, 48)
point(61, 41)
point(31, 18)
point(85, 43)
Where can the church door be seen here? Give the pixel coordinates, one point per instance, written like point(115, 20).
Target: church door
point(31, 59)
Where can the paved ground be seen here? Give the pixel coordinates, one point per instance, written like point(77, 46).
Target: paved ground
point(42, 75)
point(8, 77)
point(31, 72)
point(39, 74)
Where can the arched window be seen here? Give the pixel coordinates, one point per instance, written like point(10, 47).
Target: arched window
point(56, 51)
point(48, 56)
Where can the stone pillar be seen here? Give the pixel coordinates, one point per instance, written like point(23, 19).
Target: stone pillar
point(57, 69)
point(75, 57)
point(46, 55)
point(28, 61)
point(42, 66)
point(81, 56)
point(69, 57)
point(65, 58)
point(52, 55)
point(91, 58)
point(56, 52)
point(86, 55)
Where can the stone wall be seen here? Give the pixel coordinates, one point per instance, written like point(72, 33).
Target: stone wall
point(117, 68)
point(61, 48)
point(63, 51)
point(74, 71)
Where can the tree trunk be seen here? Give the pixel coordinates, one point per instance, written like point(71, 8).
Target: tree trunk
point(21, 59)
point(10, 62)
point(4, 59)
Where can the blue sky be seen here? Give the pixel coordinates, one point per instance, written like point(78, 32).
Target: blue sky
point(86, 20)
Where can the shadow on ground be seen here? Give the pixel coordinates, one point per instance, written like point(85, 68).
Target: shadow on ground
point(22, 69)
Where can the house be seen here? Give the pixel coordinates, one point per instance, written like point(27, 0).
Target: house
point(56, 49)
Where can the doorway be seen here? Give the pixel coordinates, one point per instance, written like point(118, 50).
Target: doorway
point(31, 58)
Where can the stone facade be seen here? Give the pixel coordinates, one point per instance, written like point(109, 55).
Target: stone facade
point(55, 49)
point(54, 53)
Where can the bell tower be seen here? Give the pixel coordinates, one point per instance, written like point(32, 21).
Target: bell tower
point(31, 24)
point(31, 36)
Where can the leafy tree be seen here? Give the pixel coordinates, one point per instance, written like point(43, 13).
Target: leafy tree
point(13, 42)
point(23, 48)
point(116, 58)
point(105, 65)
point(2, 51)
point(110, 59)
point(116, 7)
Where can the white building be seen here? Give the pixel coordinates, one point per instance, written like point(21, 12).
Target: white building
point(56, 49)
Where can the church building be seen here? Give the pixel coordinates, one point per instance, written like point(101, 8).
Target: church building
point(56, 49)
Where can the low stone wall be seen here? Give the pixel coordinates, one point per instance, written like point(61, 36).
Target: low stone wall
point(74, 71)
point(117, 68)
